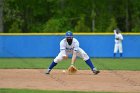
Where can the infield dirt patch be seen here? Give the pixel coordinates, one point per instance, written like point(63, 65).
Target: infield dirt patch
point(83, 80)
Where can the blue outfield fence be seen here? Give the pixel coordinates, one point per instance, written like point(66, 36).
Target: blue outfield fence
point(48, 45)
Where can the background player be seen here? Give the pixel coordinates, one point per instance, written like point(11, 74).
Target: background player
point(70, 45)
point(118, 42)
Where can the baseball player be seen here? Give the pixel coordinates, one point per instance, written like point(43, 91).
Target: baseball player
point(118, 42)
point(70, 45)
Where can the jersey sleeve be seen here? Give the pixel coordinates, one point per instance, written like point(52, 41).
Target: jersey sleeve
point(62, 45)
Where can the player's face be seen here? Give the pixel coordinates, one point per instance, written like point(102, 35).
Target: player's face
point(69, 40)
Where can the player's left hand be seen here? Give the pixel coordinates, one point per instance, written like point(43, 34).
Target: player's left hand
point(72, 69)
point(65, 57)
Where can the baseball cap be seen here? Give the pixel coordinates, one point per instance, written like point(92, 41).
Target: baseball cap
point(69, 34)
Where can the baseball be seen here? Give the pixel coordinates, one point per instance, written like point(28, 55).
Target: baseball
point(63, 71)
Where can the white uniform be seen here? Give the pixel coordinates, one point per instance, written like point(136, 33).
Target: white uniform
point(118, 43)
point(66, 49)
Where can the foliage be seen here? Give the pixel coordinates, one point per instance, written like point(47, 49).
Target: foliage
point(61, 15)
point(14, 28)
point(81, 27)
point(55, 25)
point(112, 25)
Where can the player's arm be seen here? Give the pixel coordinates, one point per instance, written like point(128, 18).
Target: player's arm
point(63, 50)
point(115, 31)
point(75, 52)
point(73, 57)
point(120, 37)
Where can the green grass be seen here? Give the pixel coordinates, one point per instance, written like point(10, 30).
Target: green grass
point(100, 63)
point(2, 90)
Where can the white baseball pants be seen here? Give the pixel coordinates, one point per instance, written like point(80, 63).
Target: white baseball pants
point(80, 53)
point(118, 46)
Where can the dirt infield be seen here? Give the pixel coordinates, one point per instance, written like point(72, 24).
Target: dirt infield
point(83, 80)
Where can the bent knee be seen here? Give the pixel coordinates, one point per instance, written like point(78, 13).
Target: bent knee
point(85, 56)
point(58, 59)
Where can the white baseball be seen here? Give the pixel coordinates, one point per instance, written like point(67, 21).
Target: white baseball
point(63, 71)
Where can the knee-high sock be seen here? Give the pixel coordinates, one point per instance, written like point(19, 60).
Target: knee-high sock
point(90, 64)
point(114, 54)
point(121, 54)
point(52, 65)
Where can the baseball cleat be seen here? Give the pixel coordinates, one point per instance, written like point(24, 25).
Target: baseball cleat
point(96, 72)
point(48, 72)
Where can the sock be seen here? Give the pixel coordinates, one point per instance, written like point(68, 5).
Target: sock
point(89, 63)
point(52, 65)
point(120, 54)
point(114, 54)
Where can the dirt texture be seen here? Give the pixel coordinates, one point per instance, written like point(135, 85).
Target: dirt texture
point(83, 80)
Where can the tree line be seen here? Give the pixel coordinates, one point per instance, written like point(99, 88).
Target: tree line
point(24, 16)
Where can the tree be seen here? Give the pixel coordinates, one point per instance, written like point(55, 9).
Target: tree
point(1, 15)
point(135, 20)
point(99, 15)
point(26, 13)
point(112, 25)
point(81, 27)
point(54, 25)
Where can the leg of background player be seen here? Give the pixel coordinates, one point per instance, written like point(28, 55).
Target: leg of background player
point(121, 54)
point(114, 55)
point(115, 50)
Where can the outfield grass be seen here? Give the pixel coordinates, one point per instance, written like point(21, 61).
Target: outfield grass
point(2, 90)
point(42, 63)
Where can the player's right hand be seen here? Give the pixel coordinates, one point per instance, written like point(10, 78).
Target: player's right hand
point(65, 57)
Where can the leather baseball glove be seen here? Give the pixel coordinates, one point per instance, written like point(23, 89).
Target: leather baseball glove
point(72, 69)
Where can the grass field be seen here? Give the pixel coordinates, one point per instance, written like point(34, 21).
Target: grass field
point(42, 63)
point(42, 91)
